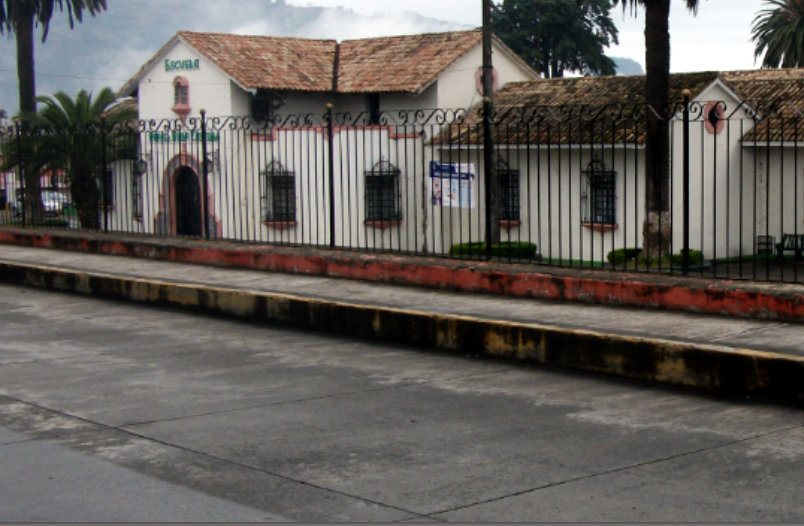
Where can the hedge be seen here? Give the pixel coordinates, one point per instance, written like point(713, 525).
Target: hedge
point(506, 250)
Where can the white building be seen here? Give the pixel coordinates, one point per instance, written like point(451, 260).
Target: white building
point(572, 163)
point(271, 182)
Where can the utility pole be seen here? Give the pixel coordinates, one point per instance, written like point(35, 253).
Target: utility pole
point(491, 190)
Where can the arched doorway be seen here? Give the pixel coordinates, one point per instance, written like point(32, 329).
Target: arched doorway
point(187, 204)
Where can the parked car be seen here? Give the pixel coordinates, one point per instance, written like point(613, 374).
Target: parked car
point(53, 203)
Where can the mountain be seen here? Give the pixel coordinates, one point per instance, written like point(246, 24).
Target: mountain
point(108, 49)
point(627, 66)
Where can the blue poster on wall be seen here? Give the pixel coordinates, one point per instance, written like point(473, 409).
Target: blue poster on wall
point(452, 184)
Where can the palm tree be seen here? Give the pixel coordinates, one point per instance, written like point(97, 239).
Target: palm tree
point(779, 33)
point(20, 17)
point(76, 132)
point(656, 231)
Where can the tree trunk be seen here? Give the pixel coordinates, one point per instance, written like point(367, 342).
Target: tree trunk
point(24, 30)
point(86, 198)
point(657, 227)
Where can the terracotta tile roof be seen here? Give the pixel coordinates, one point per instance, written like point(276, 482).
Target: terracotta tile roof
point(777, 97)
point(257, 62)
point(561, 111)
point(407, 63)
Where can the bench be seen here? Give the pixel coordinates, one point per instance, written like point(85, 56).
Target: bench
point(793, 242)
point(766, 245)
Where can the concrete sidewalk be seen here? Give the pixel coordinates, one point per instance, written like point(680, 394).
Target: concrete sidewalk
point(721, 354)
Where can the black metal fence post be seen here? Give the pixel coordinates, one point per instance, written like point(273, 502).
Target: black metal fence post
point(21, 166)
point(104, 182)
point(331, 172)
point(685, 250)
point(205, 171)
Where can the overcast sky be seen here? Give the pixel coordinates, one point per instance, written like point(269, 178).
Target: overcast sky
point(109, 49)
point(719, 38)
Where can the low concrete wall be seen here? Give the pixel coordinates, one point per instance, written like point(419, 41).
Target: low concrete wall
point(784, 302)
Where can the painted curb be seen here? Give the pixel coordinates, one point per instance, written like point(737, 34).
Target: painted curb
point(718, 297)
point(713, 369)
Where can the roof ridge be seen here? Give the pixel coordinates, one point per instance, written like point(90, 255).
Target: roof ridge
point(414, 35)
point(271, 37)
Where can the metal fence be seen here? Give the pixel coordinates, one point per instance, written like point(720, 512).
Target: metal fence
point(570, 185)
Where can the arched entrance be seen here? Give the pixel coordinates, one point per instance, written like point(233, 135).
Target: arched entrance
point(187, 204)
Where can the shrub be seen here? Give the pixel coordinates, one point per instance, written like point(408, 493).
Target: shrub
point(53, 223)
point(621, 256)
point(696, 259)
point(506, 250)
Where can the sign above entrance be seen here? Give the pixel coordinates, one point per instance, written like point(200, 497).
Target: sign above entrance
point(178, 136)
point(182, 65)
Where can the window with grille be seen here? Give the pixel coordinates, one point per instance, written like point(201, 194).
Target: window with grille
point(279, 193)
point(601, 188)
point(508, 181)
point(136, 195)
point(181, 91)
point(382, 193)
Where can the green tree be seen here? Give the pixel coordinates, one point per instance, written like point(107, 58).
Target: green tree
point(557, 36)
point(657, 228)
point(70, 134)
point(778, 33)
point(20, 17)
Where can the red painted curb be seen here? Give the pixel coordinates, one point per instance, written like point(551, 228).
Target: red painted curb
point(710, 298)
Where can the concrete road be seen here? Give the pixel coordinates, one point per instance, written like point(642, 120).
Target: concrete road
point(116, 412)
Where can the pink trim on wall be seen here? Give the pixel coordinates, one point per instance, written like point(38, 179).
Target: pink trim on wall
point(721, 122)
point(167, 202)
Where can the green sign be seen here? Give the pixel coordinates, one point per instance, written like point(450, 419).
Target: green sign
point(182, 65)
point(177, 136)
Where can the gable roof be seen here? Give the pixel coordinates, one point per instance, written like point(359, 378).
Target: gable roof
point(408, 63)
point(561, 106)
point(257, 62)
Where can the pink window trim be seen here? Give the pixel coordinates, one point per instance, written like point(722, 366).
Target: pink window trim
point(601, 227)
point(280, 225)
point(383, 224)
point(182, 109)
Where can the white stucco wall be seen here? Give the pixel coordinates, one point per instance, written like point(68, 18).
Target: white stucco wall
point(210, 88)
point(457, 85)
point(554, 201)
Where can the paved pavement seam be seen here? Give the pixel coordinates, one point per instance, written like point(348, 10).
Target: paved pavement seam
point(716, 369)
point(273, 404)
point(210, 456)
point(620, 469)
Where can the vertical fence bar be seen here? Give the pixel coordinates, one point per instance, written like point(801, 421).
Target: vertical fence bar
point(104, 183)
point(331, 173)
point(21, 165)
point(685, 249)
point(205, 174)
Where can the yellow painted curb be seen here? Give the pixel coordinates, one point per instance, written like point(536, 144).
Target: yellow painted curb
point(715, 369)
